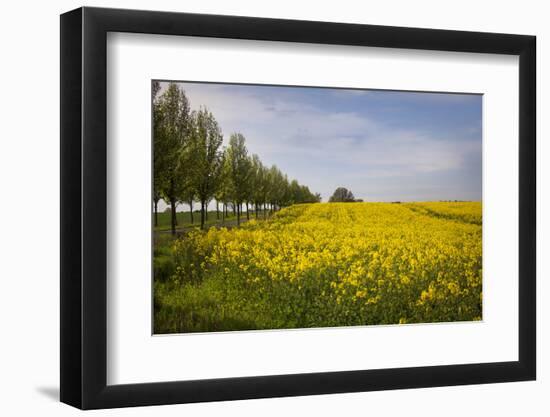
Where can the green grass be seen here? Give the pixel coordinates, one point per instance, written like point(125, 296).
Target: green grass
point(197, 309)
point(163, 261)
point(184, 219)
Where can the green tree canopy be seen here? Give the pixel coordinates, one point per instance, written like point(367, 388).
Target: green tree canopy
point(205, 159)
point(239, 169)
point(171, 127)
point(342, 194)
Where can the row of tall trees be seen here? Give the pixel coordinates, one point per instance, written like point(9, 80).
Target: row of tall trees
point(191, 165)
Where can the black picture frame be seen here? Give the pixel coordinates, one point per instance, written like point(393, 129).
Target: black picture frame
point(84, 207)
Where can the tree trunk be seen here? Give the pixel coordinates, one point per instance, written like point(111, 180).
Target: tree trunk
point(264, 210)
point(191, 211)
point(156, 213)
point(256, 209)
point(238, 215)
point(173, 216)
point(202, 214)
point(217, 210)
point(247, 212)
point(234, 208)
point(224, 208)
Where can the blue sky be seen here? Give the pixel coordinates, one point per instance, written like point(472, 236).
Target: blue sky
point(382, 145)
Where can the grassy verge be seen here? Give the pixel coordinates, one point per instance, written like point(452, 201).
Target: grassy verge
point(184, 219)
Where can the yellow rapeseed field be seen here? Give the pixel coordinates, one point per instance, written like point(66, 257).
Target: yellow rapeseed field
point(328, 264)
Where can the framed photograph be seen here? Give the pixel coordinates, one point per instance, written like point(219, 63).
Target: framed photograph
point(257, 208)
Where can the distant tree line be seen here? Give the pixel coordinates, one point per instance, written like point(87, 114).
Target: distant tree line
point(190, 165)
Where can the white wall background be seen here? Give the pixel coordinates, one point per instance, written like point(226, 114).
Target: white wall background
point(29, 211)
